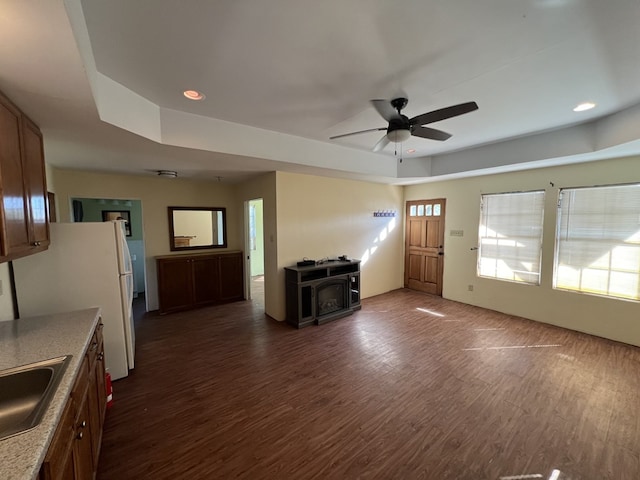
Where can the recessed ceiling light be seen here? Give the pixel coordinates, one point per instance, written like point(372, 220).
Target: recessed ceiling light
point(193, 95)
point(584, 106)
point(411, 150)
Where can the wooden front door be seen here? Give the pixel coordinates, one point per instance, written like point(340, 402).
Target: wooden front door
point(424, 244)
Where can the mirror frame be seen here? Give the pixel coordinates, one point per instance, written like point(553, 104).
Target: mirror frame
point(172, 245)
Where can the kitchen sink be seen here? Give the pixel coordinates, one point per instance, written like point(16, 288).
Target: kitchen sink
point(25, 393)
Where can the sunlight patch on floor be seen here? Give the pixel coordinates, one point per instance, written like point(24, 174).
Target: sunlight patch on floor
point(430, 312)
point(510, 347)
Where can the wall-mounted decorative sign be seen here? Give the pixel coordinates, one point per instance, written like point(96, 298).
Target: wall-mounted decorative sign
point(384, 213)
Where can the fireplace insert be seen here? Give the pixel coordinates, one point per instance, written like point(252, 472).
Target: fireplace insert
point(331, 297)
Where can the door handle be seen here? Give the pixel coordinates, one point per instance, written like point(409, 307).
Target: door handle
point(440, 253)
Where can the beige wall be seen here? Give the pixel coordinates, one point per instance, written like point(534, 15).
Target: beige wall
point(322, 217)
point(317, 217)
point(156, 194)
point(614, 319)
point(264, 187)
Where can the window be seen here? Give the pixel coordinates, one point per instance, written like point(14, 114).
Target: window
point(510, 237)
point(426, 210)
point(598, 241)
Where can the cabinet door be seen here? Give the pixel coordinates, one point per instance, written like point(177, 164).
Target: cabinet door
point(58, 463)
point(175, 285)
point(206, 281)
point(100, 373)
point(93, 408)
point(15, 230)
point(36, 183)
point(231, 278)
point(82, 449)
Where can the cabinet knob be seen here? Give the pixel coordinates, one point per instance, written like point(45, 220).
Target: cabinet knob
point(100, 356)
point(36, 244)
point(79, 436)
point(83, 424)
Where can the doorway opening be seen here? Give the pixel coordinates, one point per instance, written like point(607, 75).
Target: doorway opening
point(254, 248)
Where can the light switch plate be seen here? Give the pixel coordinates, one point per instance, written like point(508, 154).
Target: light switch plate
point(456, 233)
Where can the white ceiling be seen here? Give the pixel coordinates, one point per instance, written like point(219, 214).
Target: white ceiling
point(104, 81)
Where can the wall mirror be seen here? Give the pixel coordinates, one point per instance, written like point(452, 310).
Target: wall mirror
point(192, 228)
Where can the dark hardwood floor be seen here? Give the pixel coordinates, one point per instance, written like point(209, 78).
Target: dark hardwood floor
point(410, 387)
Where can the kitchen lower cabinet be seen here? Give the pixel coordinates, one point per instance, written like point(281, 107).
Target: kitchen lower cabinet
point(75, 448)
point(191, 281)
point(24, 224)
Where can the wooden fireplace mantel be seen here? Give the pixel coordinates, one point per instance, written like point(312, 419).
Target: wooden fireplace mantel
point(306, 302)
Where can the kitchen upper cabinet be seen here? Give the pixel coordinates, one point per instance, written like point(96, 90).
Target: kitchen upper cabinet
point(24, 227)
point(190, 281)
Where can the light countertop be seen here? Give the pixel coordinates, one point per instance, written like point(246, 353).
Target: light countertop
point(30, 340)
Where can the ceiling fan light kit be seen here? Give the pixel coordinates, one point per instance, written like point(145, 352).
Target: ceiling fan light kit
point(399, 136)
point(401, 128)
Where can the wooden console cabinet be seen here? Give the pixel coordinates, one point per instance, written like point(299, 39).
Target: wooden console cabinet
point(321, 293)
point(75, 448)
point(24, 224)
point(191, 281)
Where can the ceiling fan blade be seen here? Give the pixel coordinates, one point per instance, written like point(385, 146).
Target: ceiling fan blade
point(385, 109)
point(357, 133)
point(444, 113)
point(430, 133)
point(383, 142)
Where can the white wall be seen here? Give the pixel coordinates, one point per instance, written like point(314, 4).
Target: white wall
point(614, 319)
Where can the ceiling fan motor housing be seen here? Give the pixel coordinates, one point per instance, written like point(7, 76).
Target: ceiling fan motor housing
point(399, 103)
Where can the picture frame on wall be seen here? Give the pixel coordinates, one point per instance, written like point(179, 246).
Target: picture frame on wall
point(108, 215)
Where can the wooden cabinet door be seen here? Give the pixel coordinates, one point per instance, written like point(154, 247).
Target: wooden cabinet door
point(100, 377)
point(231, 278)
point(35, 183)
point(58, 463)
point(175, 284)
point(206, 280)
point(82, 448)
point(14, 231)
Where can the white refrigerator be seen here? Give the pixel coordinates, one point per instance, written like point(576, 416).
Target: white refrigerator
point(86, 265)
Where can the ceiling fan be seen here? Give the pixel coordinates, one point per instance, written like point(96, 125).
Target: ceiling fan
point(401, 128)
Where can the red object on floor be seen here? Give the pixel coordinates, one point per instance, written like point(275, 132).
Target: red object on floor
point(109, 388)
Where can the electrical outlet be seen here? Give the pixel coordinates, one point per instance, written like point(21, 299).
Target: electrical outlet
point(133, 257)
point(456, 233)
point(470, 288)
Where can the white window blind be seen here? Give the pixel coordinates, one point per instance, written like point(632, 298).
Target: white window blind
point(598, 241)
point(510, 237)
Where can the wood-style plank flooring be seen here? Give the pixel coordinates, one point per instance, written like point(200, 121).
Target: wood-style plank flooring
point(410, 387)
